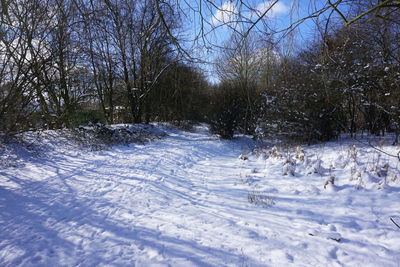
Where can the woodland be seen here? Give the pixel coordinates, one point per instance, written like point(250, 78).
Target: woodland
point(65, 63)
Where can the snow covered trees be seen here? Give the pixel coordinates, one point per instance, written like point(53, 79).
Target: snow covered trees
point(348, 81)
point(65, 62)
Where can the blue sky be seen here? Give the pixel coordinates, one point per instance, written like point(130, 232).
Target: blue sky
point(214, 25)
point(220, 15)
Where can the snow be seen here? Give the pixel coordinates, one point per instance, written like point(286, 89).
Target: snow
point(190, 199)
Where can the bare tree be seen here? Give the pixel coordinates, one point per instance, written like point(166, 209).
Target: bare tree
point(21, 43)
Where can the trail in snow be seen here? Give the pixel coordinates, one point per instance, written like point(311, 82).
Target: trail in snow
point(183, 201)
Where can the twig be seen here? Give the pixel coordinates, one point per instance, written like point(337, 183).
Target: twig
point(337, 10)
point(369, 11)
point(394, 222)
point(260, 18)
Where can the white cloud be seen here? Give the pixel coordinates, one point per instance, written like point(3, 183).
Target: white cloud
point(224, 14)
point(228, 13)
point(277, 9)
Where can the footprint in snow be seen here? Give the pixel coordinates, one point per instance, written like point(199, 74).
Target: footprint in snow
point(332, 228)
point(349, 201)
point(36, 259)
point(326, 235)
point(280, 256)
point(333, 253)
point(305, 212)
point(253, 234)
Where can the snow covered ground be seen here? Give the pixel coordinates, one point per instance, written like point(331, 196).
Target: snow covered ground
point(189, 200)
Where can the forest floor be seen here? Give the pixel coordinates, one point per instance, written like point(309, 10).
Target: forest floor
point(190, 199)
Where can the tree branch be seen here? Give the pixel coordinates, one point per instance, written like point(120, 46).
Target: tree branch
point(394, 222)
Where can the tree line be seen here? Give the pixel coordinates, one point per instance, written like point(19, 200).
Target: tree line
point(64, 62)
point(68, 62)
point(345, 81)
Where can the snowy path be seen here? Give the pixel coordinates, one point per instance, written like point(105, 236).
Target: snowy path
point(182, 201)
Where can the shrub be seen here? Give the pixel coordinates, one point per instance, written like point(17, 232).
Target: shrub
point(260, 198)
point(100, 136)
point(224, 116)
point(83, 117)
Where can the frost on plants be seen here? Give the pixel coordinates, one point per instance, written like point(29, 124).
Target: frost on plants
point(289, 166)
point(260, 198)
point(274, 152)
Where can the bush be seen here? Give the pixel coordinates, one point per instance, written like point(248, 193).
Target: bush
point(225, 112)
point(83, 117)
point(185, 125)
point(100, 136)
point(224, 124)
